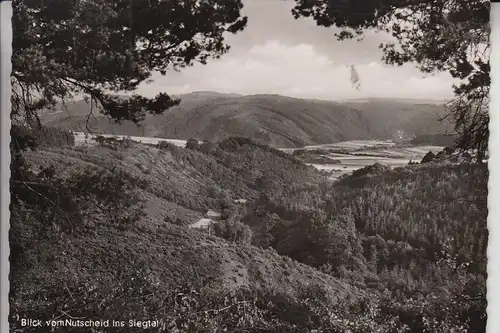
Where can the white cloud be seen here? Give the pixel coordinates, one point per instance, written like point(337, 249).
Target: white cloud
point(301, 71)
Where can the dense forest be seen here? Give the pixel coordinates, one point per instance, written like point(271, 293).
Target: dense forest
point(381, 250)
point(416, 235)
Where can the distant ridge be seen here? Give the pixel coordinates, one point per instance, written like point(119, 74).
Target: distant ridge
point(205, 94)
point(271, 119)
point(399, 100)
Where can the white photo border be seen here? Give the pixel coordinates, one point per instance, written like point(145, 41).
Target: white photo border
point(5, 91)
point(493, 282)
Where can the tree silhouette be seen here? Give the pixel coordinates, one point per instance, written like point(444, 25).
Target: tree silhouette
point(97, 48)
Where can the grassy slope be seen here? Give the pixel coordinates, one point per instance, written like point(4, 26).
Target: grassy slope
point(92, 275)
point(91, 272)
point(270, 119)
point(186, 182)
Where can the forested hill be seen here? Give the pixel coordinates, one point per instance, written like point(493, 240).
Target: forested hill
point(380, 251)
point(275, 120)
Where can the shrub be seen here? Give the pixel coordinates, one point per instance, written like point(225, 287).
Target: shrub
point(429, 157)
point(165, 145)
point(233, 231)
point(192, 144)
point(234, 143)
point(373, 169)
point(43, 136)
point(114, 142)
point(111, 192)
point(299, 152)
point(127, 142)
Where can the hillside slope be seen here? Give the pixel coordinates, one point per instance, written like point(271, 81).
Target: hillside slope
point(380, 251)
point(187, 182)
point(275, 120)
point(108, 267)
point(411, 117)
point(418, 234)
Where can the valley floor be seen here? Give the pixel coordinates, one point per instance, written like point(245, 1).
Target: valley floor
point(355, 154)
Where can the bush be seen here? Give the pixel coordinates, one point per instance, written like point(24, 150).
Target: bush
point(299, 152)
point(234, 143)
point(165, 145)
point(369, 170)
point(192, 144)
point(127, 142)
point(233, 231)
point(429, 157)
point(111, 192)
point(24, 137)
point(82, 198)
point(114, 143)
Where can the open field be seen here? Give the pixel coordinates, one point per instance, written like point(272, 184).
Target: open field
point(349, 156)
point(81, 139)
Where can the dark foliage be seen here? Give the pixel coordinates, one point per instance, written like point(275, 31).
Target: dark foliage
point(233, 231)
point(429, 157)
point(418, 232)
point(373, 169)
point(63, 48)
point(192, 144)
point(24, 137)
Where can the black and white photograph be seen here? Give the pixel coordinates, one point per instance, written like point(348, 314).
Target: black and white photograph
point(281, 166)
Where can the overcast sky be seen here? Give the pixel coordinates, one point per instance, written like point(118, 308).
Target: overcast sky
point(277, 54)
